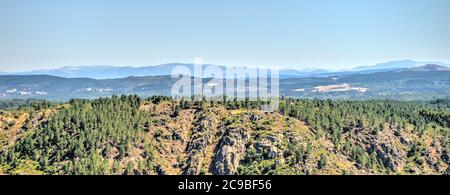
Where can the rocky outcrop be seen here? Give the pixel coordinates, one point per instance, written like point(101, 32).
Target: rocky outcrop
point(388, 145)
point(266, 148)
point(230, 151)
point(392, 157)
point(196, 150)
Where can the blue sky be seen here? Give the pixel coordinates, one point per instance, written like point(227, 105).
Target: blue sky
point(297, 34)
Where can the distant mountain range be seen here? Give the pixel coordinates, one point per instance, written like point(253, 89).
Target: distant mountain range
point(395, 65)
point(105, 72)
point(421, 82)
point(112, 72)
point(430, 67)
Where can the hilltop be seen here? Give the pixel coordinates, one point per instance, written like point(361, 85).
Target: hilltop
point(430, 67)
point(129, 135)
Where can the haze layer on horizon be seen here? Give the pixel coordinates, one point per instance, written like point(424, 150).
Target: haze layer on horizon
point(297, 34)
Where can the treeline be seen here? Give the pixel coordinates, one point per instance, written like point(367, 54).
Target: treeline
point(28, 103)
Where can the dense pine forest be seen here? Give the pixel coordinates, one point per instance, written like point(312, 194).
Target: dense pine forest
point(159, 135)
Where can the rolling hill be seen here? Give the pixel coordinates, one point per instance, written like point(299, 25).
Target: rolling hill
point(424, 82)
point(128, 135)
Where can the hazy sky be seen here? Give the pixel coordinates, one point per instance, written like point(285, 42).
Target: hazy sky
point(287, 33)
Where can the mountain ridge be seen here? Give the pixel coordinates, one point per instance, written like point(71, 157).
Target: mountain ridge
point(428, 82)
point(399, 64)
point(111, 72)
point(430, 67)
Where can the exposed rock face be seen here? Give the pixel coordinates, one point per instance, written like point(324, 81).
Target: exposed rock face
point(230, 151)
point(266, 147)
point(201, 138)
point(392, 157)
point(387, 145)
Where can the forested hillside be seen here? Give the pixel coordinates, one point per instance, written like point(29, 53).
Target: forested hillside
point(159, 135)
